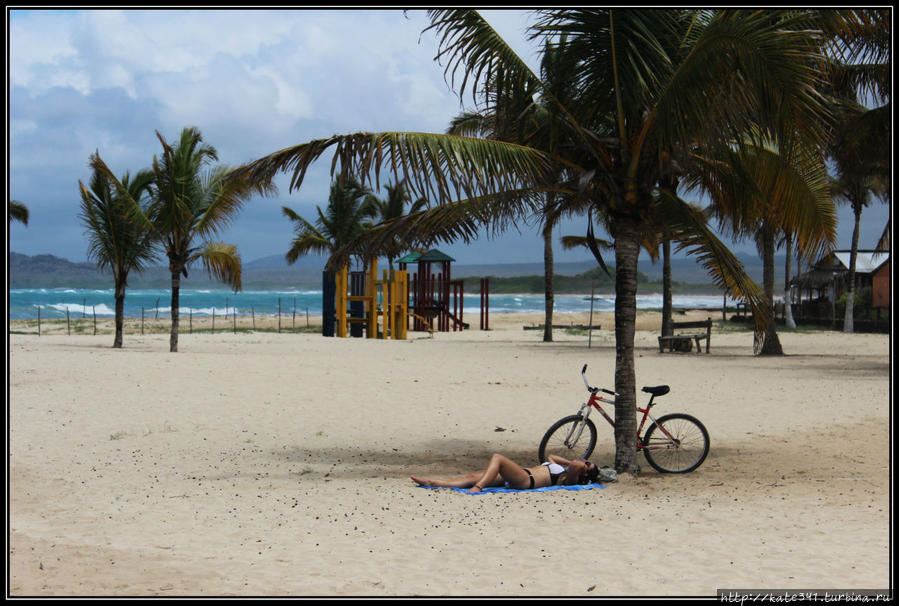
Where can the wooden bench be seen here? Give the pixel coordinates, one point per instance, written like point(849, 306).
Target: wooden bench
point(674, 342)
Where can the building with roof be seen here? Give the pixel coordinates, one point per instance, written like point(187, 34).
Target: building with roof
point(816, 293)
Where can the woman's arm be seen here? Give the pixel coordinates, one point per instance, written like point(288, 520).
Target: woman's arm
point(574, 471)
point(557, 459)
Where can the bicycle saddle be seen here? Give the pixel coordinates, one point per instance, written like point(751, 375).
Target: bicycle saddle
point(660, 390)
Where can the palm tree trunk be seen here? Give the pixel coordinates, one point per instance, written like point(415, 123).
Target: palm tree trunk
point(176, 291)
point(788, 299)
point(627, 250)
point(848, 321)
point(549, 290)
point(771, 344)
point(119, 315)
point(667, 330)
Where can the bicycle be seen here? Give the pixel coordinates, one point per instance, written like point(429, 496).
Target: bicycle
point(673, 443)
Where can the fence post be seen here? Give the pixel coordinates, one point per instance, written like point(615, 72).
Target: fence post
point(235, 320)
point(68, 328)
point(141, 320)
point(94, 308)
point(279, 314)
point(39, 320)
point(590, 326)
point(253, 314)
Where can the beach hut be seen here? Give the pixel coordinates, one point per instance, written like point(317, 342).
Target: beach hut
point(880, 279)
point(828, 280)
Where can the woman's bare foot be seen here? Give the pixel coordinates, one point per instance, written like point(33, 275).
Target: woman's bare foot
point(422, 481)
point(475, 489)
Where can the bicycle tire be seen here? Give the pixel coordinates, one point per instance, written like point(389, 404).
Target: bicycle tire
point(689, 451)
point(553, 441)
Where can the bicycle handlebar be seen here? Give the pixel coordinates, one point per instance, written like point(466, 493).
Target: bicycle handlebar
point(594, 389)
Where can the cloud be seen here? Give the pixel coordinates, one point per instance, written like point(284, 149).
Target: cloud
point(253, 82)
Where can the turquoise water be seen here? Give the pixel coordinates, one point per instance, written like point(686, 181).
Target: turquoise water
point(55, 302)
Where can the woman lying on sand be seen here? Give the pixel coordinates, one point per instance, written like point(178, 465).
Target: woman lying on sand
point(503, 471)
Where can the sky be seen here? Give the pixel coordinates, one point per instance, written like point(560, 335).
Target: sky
point(253, 82)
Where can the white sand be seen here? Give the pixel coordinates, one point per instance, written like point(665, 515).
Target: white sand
point(279, 464)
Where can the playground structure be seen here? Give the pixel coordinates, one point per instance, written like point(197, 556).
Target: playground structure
point(358, 302)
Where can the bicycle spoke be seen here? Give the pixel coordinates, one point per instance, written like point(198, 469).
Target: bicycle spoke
point(676, 444)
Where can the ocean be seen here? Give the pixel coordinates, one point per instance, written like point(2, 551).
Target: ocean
point(78, 302)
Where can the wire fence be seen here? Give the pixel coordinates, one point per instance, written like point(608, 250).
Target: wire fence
point(152, 321)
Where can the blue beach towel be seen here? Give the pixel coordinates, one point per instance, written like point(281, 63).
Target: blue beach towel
point(495, 489)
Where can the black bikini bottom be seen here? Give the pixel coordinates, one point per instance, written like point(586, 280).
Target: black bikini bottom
point(531, 476)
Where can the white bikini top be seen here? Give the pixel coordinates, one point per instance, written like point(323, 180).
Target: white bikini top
point(554, 468)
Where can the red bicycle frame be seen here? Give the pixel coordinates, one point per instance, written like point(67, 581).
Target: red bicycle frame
point(595, 399)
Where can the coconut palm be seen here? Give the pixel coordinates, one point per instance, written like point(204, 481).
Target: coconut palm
point(17, 211)
point(765, 191)
point(350, 208)
point(861, 143)
point(393, 207)
point(652, 86)
point(115, 240)
point(856, 187)
point(191, 201)
point(516, 117)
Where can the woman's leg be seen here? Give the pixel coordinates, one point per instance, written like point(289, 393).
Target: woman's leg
point(502, 469)
point(463, 482)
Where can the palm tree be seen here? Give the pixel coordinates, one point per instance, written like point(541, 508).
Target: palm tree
point(766, 191)
point(516, 117)
point(855, 188)
point(17, 211)
point(788, 304)
point(190, 203)
point(115, 240)
point(393, 207)
point(639, 103)
point(860, 75)
point(860, 146)
point(350, 206)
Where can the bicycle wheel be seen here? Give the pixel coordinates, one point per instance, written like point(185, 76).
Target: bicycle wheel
point(684, 451)
point(554, 440)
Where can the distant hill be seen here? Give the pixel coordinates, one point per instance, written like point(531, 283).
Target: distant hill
point(48, 271)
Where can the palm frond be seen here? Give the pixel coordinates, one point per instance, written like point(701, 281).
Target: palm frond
point(689, 228)
point(478, 55)
point(459, 221)
point(222, 197)
point(17, 211)
point(222, 262)
point(787, 191)
point(441, 168)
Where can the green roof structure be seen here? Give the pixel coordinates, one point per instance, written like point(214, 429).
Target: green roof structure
point(432, 255)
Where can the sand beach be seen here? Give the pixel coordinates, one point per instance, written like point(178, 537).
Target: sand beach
point(267, 464)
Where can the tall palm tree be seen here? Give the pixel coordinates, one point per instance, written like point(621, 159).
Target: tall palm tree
point(115, 240)
point(17, 211)
point(350, 207)
point(855, 187)
point(860, 76)
point(768, 190)
point(192, 201)
point(788, 302)
point(638, 104)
